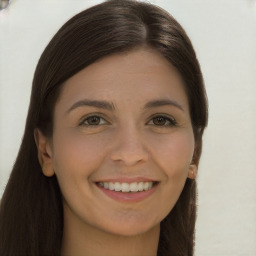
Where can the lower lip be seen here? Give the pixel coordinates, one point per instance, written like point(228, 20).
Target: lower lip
point(128, 197)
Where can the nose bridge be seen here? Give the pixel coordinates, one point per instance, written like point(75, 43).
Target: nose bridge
point(129, 146)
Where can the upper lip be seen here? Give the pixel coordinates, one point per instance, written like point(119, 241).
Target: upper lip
point(127, 179)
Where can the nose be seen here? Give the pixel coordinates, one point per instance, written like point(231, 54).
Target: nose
point(129, 148)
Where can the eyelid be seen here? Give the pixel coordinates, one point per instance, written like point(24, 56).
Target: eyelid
point(99, 115)
point(171, 119)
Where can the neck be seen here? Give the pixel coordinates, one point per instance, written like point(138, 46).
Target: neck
point(89, 241)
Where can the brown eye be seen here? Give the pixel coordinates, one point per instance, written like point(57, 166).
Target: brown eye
point(93, 121)
point(162, 121)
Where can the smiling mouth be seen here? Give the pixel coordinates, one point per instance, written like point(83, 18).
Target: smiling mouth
point(125, 187)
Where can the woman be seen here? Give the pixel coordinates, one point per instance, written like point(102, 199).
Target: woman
point(112, 141)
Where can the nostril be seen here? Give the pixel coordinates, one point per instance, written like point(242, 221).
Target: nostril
point(129, 157)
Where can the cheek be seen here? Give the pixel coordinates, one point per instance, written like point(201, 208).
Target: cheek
point(174, 152)
point(77, 154)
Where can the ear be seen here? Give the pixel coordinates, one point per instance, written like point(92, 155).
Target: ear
point(192, 172)
point(44, 153)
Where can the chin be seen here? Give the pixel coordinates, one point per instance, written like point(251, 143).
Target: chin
point(131, 229)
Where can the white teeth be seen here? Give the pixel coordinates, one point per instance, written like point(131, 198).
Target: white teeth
point(134, 187)
point(117, 186)
point(111, 186)
point(127, 187)
point(145, 186)
point(140, 186)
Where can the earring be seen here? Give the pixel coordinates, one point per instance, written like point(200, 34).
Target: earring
point(192, 173)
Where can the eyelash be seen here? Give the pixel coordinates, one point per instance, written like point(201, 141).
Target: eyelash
point(170, 121)
point(83, 123)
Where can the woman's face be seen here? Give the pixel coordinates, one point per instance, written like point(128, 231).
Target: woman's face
point(122, 123)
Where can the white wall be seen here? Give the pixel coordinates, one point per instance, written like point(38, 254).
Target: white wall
point(224, 35)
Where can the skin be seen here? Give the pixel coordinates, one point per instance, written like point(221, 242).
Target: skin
point(127, 141)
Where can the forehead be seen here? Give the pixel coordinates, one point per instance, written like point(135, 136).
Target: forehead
point(135, 76)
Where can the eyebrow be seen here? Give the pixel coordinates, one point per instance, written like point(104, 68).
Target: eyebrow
point(163, 102)
point(110, 106)
point(92, 103)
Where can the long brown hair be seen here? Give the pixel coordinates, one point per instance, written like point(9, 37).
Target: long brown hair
point(31, 214)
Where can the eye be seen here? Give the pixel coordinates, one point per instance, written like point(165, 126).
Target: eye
point(93, 121)
point(162, 120)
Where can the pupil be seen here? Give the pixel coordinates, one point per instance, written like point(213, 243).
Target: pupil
point(94, 120)
point(159, 121)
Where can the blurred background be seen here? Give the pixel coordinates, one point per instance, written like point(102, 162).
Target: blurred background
point(223, 33)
